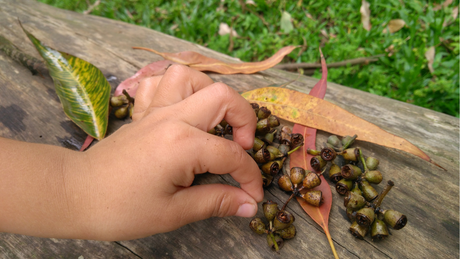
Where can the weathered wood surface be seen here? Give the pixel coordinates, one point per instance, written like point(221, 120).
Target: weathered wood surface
point(30, 111)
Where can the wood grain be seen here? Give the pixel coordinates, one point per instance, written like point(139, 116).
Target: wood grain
point(30, 111)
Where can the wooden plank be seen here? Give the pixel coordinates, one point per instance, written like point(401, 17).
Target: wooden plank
point(30, 111)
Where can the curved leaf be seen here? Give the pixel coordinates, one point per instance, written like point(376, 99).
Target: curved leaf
point(203, 63)
point(82, 88)
point(314, 112)
point(301, 158)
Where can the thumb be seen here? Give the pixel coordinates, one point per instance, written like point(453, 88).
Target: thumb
point(213, 200)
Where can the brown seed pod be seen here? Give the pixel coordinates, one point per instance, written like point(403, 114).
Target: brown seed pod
point(372, 163)
point(368, 191)
point(258, 144)
point(255, 107)
point(354, 201)
point(262, 156)
point(284, 182)
point(351, 154)
point(283, 220)
point(343, 186)
point(263, 113)
point(273, 121)
point(279, 241)
point(121, 112)
point(379, 230)
point(270, 209)
point(297, 175)
point(272, 167)
point(358, 231)
point(365, 216)
point(328, 154)
point(296, 140)
point(266, 179)
point(258, 226)
point(117, 101)
point(317, 163)
point(394, 219)
point(311, 180)
point(335, 173)
point(374, 176)
point(287, 233)
point(286, 135)
point(313, 197)
point(351, 172)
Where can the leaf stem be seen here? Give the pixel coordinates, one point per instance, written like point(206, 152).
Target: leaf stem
point(383, 194)
point(277, 249)
point(290, 198)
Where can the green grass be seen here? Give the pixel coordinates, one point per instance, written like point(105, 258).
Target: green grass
point(401, 73)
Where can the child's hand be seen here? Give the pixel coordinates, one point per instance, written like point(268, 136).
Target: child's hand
point(138, 180)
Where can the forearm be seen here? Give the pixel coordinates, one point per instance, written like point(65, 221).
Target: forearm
point(38, 189)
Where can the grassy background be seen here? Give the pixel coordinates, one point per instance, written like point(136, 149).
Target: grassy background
point(400, 73)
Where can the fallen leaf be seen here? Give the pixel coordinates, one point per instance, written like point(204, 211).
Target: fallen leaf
point(224, 29)
point(365, 15)
point(81, 87)
point(250, 2)
point(286, 23)
point(203, 63)
point(429, 55)
point(131, 84)
point(438, 7)
point(301, 159)
point(313, 112)
point(395, 25)
point(454, 16)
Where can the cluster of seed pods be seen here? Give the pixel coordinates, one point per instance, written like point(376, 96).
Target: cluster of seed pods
point(353, 175)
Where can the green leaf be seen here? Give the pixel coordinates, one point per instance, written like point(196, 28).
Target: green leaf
point(82, 88)
point(286, 23)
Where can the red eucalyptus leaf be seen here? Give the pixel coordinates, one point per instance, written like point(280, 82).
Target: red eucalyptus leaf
point(302, 159)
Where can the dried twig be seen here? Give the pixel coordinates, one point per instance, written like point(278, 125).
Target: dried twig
point(354, 61)
point(91, 7)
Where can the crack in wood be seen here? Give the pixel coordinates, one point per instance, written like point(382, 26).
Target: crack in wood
point(125, 247)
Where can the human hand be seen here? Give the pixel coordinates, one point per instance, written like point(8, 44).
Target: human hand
point(138, 180)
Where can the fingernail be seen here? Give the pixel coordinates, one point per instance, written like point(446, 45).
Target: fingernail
point(246, 210)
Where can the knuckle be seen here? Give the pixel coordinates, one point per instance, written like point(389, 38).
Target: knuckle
point(224, 208)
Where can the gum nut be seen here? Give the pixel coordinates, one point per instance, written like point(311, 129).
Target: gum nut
point(335, 173)
point(270, 209)
point(258, 226)
point(283, 220)
point(284, 149)
point(369, 193)
point(263, 113)
point(262, 156)
point(122, 112)
point(372, 163)
point(395, 219)
point(285, 184)
point(379, 230)
point(365, 216)
point(262, 127)
point(274, 152)
point(311, 180)
point(297, 175)
point(354, 201)
point(351, 214)
point(317, 163)
point(273, 121)
point(356, 189)
point(351, 154)
point(258, 144)
point(279, 241)
point(351, 172)
point(348, 140)
point(117, 101)
point(374, 177)
point(296, 140)
point(343, 186)
point(334, 141)
point(271, 168)
point(313, 197)
point(266, 179)
point(287, 233)
point(358, 231)
point(328, 154)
